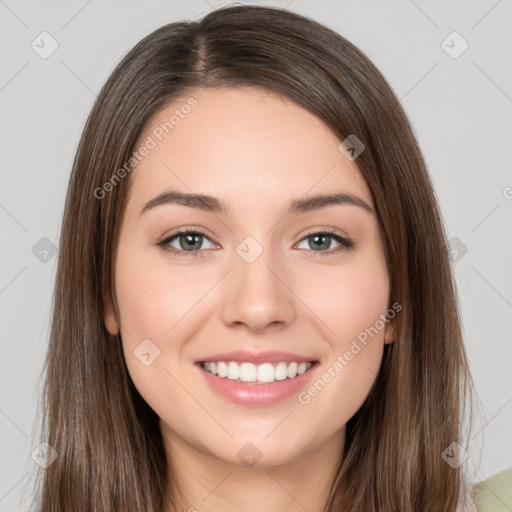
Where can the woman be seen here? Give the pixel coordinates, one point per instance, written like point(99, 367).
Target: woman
point(254, 306)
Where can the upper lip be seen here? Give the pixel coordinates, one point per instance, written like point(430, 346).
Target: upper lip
point(270, 356)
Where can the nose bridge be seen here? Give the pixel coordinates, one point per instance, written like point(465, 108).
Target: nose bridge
point(254, 261)
point(256, 295)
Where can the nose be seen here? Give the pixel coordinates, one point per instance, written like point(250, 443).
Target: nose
point(258, 295)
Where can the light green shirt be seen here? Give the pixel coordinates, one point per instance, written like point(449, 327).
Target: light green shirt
point(495, 493)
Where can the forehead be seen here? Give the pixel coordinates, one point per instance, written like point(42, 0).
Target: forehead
point(241, 142)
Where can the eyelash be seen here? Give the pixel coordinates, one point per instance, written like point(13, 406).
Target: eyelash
point(346, 243)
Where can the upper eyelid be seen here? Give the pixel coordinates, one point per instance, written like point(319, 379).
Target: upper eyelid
point(186, 231)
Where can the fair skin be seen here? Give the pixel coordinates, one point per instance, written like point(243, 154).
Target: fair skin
point(255, 151)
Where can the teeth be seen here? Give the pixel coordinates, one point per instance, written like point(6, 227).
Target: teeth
point(262, 373)
point(292, 370)
point(233, 371)
point(222, 369)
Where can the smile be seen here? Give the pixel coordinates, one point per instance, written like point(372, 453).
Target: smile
point(257, 385)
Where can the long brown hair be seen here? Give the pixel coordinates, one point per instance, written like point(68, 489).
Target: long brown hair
point(110, 449)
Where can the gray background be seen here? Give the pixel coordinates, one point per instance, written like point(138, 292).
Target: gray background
point(460, 109)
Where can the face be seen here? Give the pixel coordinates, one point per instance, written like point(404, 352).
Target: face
point(252, 277)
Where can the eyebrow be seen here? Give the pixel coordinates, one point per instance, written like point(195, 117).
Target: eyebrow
point(214, 205)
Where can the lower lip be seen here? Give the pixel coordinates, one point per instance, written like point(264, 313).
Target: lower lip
point(254, 393)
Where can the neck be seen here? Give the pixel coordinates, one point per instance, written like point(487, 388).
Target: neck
point(204, 483)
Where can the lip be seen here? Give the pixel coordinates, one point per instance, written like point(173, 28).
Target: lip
point(247, 356)
point(254, 395)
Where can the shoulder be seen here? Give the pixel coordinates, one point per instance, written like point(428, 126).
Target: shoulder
point(495, 493)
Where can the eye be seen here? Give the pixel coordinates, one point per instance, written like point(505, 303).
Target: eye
point(322, 240)
point(189, 243)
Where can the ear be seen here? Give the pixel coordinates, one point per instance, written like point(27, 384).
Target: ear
point(110, 318)
point(389, 332)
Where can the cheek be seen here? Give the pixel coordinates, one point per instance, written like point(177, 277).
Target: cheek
point(153, 296)
point(151, 302)
point(158, 301)
point(349, 300)
point(350, 303)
